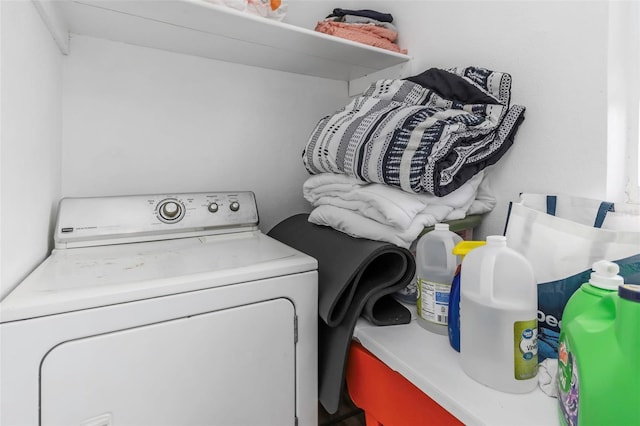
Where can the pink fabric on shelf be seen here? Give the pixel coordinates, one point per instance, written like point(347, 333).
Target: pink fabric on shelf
point(372, 35)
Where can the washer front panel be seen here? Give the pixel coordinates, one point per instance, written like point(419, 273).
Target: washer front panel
point(26, 343)
point(218, 368)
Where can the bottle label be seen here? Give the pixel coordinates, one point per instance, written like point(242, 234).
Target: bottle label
point(525, 349)
point(433, 301)
point(568, 382)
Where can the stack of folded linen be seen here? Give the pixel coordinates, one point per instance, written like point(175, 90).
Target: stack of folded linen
point(384, 213)
point(407, 154)
point(363, 26)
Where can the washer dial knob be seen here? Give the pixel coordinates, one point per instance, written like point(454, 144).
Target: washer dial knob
point(234, 206)
point(213, 207)
point(170, 211)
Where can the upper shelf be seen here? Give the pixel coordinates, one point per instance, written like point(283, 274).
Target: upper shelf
point(198, 28)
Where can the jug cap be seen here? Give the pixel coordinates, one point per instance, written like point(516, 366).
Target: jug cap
point(441, 227)
point(629, 292)
point(496, 240)
point(605, 275)
point(464, 247)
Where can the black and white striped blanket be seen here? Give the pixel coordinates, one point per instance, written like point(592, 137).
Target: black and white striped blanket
point(427, 134)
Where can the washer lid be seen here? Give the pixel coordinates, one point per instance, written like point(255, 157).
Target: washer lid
point(81, 278)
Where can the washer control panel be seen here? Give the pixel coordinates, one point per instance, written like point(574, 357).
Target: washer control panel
point(134, 218)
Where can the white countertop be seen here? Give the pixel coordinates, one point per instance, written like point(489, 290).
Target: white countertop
point(430, 363)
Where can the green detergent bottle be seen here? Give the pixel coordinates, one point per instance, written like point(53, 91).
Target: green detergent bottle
point(598, 369)
point(604, 280)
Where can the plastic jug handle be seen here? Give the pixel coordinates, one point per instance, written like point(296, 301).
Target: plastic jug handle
point(452, 261)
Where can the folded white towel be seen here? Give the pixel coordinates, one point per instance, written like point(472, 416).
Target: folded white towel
point(485, 200)
point(385, 204)
point(359, 226)
point(385, 213)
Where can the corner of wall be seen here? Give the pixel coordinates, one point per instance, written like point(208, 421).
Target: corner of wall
point(31, 119)
point(623, 97)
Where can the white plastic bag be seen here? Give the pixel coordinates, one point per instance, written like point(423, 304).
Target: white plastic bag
point(562, 249)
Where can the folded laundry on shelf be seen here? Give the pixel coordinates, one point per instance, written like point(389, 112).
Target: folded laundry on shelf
point(372, 35)
point(367, 13)
point(352, 19)
point(363, 26)
point(384, 213)
point(430, 133)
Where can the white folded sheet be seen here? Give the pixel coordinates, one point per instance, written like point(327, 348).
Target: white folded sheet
point(385, 213)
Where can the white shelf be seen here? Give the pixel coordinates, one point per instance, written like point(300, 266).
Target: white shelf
point(198, 28)
point(428, 361)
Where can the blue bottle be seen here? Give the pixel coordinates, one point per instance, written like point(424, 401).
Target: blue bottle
point(461, 249)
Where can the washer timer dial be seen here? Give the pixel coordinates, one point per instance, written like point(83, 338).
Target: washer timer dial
point(170, 210)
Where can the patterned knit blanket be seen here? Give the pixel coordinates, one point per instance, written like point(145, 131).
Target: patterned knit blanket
point(427, 134)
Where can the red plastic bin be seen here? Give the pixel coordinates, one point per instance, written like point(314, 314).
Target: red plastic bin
point(386, 397)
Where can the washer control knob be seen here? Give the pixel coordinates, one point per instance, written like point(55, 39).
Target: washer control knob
point(234, 206)
point(170, 210)
point(213, 207)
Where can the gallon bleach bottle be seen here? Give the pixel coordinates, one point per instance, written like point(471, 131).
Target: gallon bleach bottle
point(436, 265)
point(598, 370)
point(461, 250)
point(604, 280)
point(498, 318)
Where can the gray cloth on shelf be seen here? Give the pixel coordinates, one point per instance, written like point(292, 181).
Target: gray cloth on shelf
point(353, 19)
point(356, 277)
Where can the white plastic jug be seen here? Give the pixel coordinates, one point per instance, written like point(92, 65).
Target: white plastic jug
point(498, 318)
point(435, 267)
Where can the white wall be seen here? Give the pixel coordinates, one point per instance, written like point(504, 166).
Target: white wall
point(31, 118)
point(139, 120)
point(624, 99)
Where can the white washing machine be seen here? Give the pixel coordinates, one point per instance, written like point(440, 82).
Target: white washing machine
point(156, 310)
